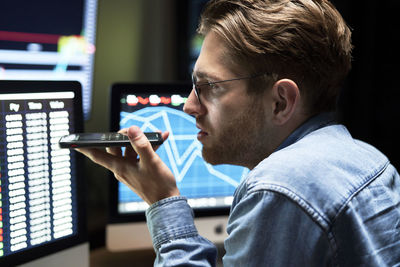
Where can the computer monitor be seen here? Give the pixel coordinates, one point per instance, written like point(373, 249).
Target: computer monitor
point(42, 207)
point(189, 42)
point(49, 40)
point(209, 189)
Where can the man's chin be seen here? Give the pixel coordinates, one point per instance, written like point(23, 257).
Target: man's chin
point(213, 157)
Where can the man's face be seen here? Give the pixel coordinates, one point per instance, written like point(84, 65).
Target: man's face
point(232, 123)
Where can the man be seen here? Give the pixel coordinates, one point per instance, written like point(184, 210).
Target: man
point(265, 84)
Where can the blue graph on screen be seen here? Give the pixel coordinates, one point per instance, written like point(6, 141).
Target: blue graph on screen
point(182, 154)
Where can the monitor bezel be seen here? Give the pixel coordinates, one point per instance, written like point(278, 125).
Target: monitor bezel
point(116, 91)
point(19, 86)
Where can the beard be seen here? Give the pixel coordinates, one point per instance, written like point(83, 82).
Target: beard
point(240, 139)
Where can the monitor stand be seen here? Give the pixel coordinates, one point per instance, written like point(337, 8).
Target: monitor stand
point(135, 236)
point(77, 256)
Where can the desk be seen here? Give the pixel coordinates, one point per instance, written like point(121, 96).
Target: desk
point(101, 257)
point(144, 258)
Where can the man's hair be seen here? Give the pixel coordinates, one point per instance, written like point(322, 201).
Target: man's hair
point(304, 40)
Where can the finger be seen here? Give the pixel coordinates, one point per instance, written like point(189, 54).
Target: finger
point(130, 152)
point(116, 151)
point(140, 143)
point(164, 137)
point(101, 157)
point(123, 131)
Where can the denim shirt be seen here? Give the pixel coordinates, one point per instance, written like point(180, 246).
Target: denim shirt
point(321, 199)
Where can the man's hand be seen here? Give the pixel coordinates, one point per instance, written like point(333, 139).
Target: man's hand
point(140, 168)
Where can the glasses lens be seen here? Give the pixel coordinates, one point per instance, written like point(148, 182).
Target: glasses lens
point(196, 88)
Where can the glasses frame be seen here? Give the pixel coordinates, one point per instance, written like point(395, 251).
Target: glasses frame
point(197, 89)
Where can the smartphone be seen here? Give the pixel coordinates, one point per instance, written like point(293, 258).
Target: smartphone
point(104, 140)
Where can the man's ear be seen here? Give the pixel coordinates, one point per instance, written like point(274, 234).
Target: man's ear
point(285, 100)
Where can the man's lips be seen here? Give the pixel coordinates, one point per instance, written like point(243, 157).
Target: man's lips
point(202, 133)
point(201, 136)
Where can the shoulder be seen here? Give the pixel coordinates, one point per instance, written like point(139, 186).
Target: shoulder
point(319, 173)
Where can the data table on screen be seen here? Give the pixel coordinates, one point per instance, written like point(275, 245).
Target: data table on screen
point(36, 199)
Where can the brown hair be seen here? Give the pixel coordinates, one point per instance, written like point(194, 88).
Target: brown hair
point(304, 40)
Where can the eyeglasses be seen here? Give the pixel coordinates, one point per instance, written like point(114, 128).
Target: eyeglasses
point(197, 86)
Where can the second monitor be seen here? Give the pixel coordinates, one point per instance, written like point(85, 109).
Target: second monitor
point(209, 189)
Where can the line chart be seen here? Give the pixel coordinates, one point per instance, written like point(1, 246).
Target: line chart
point(182, 154)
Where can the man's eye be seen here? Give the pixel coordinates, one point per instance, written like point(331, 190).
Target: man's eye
point(208, 89)
point(212, 85)
point(207, 85)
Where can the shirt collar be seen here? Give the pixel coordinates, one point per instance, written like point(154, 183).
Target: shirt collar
point(314, 123)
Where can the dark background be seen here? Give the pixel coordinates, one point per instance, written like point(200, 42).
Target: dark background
point(369, 105)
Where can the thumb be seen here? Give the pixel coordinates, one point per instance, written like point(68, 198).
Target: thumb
point(140, 143)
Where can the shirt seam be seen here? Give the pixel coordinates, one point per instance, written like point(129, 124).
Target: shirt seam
point(298, 200)
point(307, 209)
point(174, 234)
point(367, 181)
point(315, 215)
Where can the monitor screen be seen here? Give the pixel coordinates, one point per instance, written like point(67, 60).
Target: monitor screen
point(49, 40)
point(189, 42)
point(159, 107)
point(41, 197)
